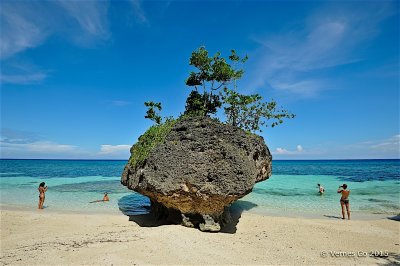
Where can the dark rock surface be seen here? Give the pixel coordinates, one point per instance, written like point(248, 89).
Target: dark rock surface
point(201, 168)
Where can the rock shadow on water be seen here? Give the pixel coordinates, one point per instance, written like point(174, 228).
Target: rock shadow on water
point(134, 205)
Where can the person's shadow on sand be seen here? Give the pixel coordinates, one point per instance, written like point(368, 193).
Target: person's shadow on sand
point(332, 217)
point(236, 210)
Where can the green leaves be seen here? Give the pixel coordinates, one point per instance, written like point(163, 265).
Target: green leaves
point(152, 111)
point(193, 79)
point(212, 74)
point(154, 136)
point(249, 112)
point(201, 104)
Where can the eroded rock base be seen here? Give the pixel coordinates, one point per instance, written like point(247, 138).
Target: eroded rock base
point(205, 222)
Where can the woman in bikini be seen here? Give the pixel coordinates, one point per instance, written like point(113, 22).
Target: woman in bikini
point(344, 200)
point(105, 198)
point(42, 189)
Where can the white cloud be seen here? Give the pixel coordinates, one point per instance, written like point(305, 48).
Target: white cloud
point(27, 78)
point(24, 145)
point(12, 136)
point(388, 148)
point(20, 144)
point(299, 148)
point(16, 73)
point(20, 28)
point(27, 24)
point(305, 88)
point(139, 12)
point(113, 149)
point(283, 151)
point(47, 146)
point(37, 149)
point(90, 15)
point(287, 61)
point(390, 144)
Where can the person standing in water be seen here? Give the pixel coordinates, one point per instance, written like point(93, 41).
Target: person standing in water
point(344, 200)
point(42, 189)
point(321, 189)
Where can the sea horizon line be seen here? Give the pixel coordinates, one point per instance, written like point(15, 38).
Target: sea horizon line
point(72, 159)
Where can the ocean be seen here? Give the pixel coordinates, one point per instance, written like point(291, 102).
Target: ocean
point(290, 191)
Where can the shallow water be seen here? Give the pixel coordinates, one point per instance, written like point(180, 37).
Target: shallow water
point(291, 190)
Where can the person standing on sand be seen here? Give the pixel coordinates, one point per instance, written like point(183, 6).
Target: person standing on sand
point(321, 189)
point(344, 200)
point(42, 189)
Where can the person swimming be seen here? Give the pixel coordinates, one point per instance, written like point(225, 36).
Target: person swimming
point(344, 200)
point(42, 189)
point(105, 198)
point(321, 189)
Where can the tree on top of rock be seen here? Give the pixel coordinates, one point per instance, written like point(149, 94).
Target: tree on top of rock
point(213, 73)
point(215, 85)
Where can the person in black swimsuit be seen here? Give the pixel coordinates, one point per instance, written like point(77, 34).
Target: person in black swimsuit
point(42, 189)
point(344, 200)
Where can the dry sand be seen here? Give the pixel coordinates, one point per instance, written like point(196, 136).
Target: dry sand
point(49, 238)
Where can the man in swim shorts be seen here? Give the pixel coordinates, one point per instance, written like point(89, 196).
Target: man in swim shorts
point(344, 200)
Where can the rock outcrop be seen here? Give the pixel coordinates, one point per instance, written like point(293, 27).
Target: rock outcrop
point(200, 169)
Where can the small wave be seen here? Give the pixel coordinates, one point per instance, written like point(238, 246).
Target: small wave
point(378, 200)
point(11, 173)
point(278, 193)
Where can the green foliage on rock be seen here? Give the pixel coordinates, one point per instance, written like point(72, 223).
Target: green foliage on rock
point(215, 86)
point(155, 135)
point(152, 111)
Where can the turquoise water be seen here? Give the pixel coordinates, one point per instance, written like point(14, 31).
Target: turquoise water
point(291, 191)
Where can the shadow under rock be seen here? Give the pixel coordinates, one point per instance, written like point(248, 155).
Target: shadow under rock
point(236, 210)
point(149, 220)
point(395, 218)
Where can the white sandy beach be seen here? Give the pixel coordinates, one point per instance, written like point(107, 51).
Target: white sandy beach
point(49, 238)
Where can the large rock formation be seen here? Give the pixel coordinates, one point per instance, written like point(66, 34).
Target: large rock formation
point(200, 169)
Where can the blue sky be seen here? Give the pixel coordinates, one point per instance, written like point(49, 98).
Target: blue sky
point(75, 74)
